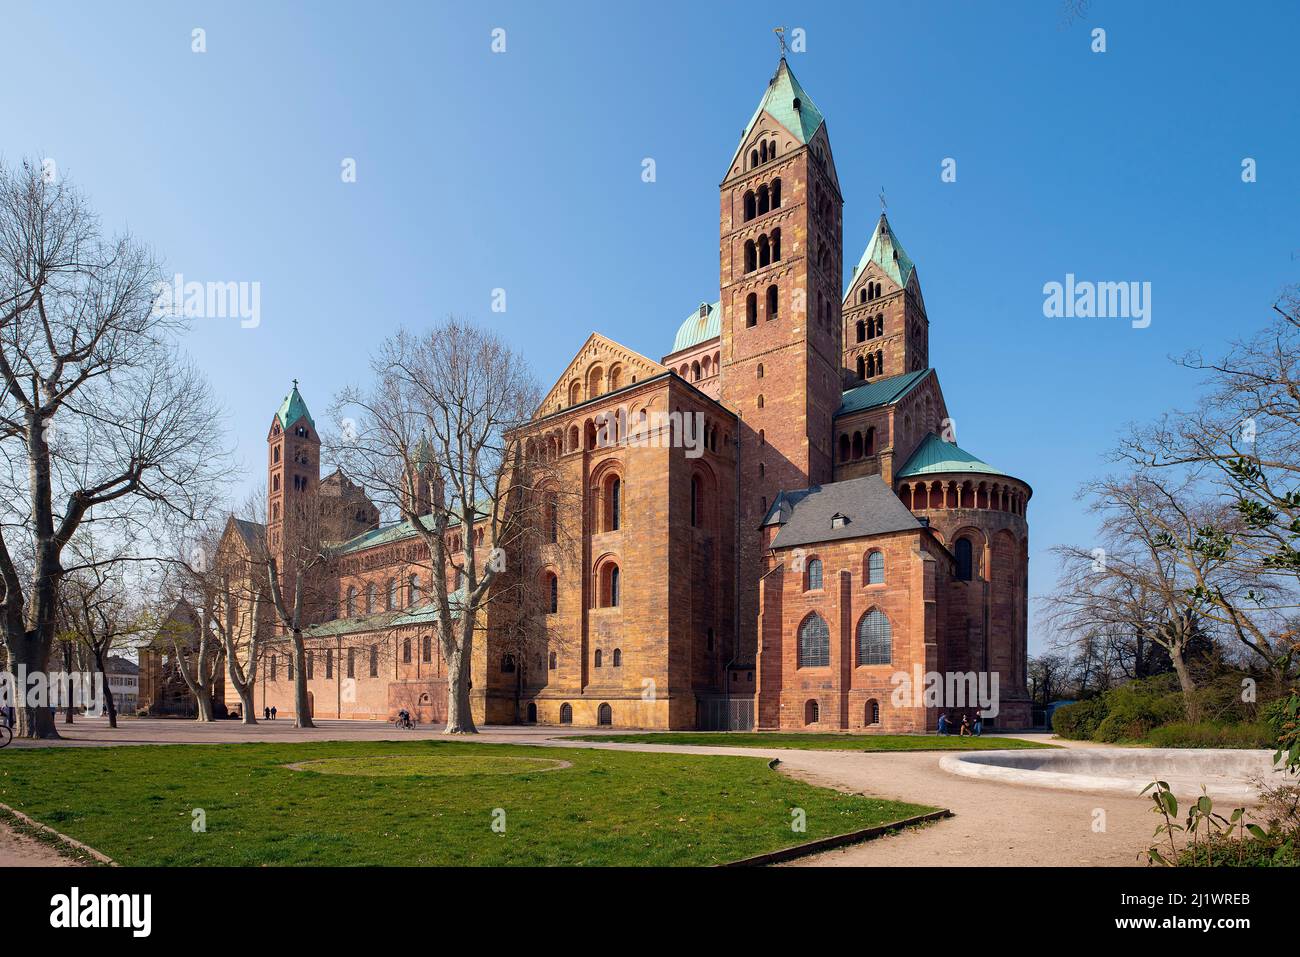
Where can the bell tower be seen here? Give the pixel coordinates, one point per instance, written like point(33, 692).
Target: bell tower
point(781, 253)
point(886, 331)
point(293, 479)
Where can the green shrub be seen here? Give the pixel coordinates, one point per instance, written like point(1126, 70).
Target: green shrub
point(1134, 709)
point(1250, 852)
point(1079, 721)
point(1210, 734)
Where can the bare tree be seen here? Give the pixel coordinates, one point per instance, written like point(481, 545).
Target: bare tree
point(100, 418)
point(96, 609)
point(1243, 438)
point(1157, 563)
point(433, 440)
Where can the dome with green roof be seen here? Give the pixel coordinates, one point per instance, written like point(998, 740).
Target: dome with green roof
point(704, 323)
point(934, 456)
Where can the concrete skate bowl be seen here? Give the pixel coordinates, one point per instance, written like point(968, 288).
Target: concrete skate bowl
point(1227, 774)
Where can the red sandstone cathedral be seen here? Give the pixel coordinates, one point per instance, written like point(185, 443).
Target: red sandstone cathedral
point(822, 540)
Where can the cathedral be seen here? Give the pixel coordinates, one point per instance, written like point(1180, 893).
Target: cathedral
point(798, 561)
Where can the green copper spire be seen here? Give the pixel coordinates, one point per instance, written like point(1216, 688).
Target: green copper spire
point(293, 408)
point(787, 103)
point(886, 252)
point(422, 454)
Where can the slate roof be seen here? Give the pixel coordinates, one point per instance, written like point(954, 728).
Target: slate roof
point(880, 392)
point(253, 533)
point(934, 456)
point(697, 328)
point(870, 506)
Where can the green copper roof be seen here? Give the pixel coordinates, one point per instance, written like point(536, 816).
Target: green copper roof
point(421, 615)
point(887, 253)
point(881, 392)
point(398, 531)
point(697, 328)
point(293, 408)
point(782, 92)
point(422, 455)
point(934, 456)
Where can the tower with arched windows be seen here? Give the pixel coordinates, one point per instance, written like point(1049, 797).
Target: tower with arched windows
point(293, 481)
point(780, 246)
point(886, 331)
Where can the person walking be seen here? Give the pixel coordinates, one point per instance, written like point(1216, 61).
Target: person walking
point(272, 712)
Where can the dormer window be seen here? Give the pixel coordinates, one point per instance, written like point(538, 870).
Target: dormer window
point(704, 310)
point(839, 520)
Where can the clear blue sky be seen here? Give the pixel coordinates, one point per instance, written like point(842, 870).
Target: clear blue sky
point(522, 171)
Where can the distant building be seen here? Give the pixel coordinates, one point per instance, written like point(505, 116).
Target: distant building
point(123, 677)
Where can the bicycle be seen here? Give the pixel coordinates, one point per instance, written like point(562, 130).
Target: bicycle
point(6, 734)
point(406, 723)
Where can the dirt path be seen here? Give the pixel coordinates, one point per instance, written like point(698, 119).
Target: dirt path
point(18, 850)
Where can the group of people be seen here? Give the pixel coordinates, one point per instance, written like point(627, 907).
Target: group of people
point(969, 726)
point(269, 713)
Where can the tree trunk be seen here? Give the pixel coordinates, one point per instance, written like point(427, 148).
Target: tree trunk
point(203, 706)
point(244, 689)
point(302, 710)
point(1190, 705)
point(25, 659)
point(109, 704)
point(460, 718)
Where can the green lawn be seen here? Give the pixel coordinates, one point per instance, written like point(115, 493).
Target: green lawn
point(422, 802)
point(822, 742)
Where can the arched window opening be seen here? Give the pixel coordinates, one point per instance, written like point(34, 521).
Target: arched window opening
point(773, 302)
point(857, 445)
point(605, 715)
point(776, 192)
point(764, 200)
point(599, 657)
point(811, 713)
point(844, 448)
point(965, 559)
point(750, 207)
point(876, 568)
point(412, 591)
point(751, 256)
point(552, 593)
point(751, 309)
point(871, 441)
point(764, 251)
point(814, 642)
point(390, 601)
point(350, 605)
point(875, 639)
point(613, 504)
point(566, 713)
point(618, 657)
point(872, 715)
point(861, 330)
point(776, 245)
point(862, 368)
point(553, 661)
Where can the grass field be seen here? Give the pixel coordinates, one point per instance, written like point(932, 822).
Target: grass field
point(822, 742)
point(421, 803)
